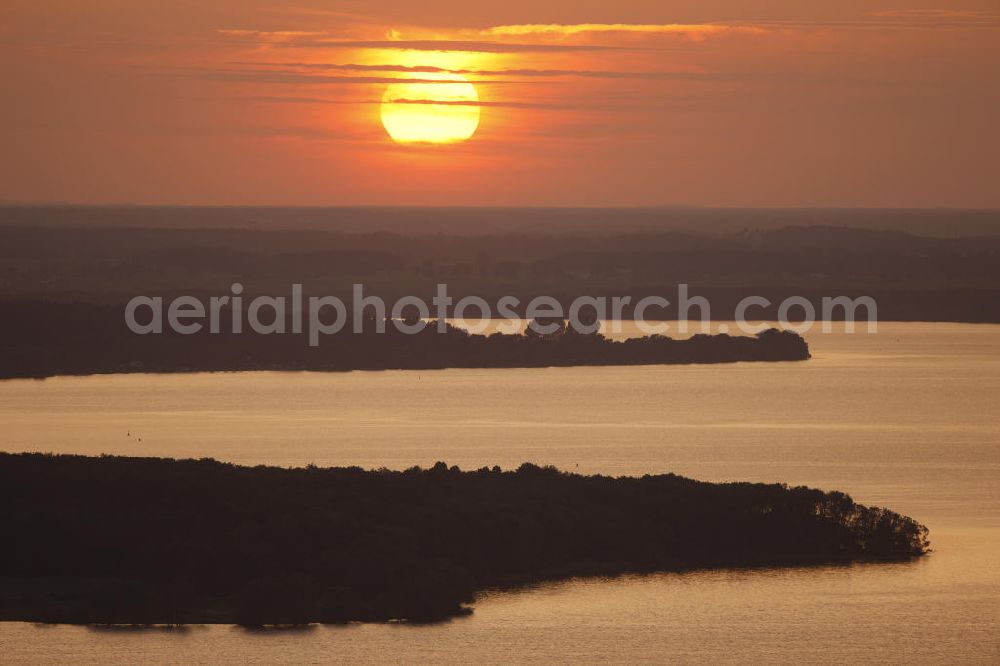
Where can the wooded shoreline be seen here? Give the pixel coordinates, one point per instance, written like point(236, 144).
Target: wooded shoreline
point(114, 540)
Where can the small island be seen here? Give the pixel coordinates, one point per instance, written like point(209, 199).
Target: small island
point(139, 541)
point(98, 342)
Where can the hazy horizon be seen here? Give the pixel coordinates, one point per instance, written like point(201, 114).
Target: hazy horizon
point(476, 220)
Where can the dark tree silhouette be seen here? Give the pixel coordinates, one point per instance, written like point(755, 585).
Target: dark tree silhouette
point(143, 540)
point(41, 345)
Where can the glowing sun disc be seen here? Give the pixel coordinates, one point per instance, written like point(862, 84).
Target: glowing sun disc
point(410, 115)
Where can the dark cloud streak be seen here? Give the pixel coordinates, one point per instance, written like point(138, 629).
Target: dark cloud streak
point(273, 76)
point(427, 69)
point(491, 104)
point(465, 46)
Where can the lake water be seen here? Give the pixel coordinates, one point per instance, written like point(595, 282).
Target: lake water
point(908, 418)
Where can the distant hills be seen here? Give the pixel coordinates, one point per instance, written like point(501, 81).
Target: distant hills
point(91, 255)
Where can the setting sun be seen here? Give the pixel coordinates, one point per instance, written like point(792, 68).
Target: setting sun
point(431, 112)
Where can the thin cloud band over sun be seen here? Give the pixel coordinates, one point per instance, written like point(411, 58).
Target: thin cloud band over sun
point(687, 29)
point(292, 67)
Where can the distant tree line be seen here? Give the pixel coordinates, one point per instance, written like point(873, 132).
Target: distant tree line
point(100, 255)
point(46, 339)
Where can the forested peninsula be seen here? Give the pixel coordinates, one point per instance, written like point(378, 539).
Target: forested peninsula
point(50, 339)
point(115, 540)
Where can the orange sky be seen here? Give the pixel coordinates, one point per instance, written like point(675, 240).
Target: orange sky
point(584, 102)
